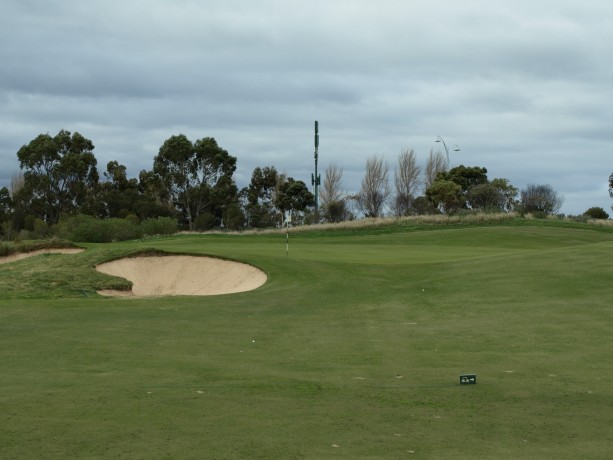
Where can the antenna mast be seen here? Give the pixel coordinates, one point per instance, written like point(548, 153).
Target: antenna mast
point(316, 178)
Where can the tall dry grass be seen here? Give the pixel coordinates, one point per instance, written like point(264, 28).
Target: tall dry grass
point(601, 222)
point(369, 222)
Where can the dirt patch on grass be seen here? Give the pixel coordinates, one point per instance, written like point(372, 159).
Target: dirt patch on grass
point(25, 255)
point(182, 275)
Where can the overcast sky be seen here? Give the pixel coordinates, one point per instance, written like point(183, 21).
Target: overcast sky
point(523, 87)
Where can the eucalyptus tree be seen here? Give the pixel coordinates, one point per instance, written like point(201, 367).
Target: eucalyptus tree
point(260, 197)
point(293, 196)
point(196, 177)
point(446, 195)
point(465, 176)
point(120, 196)
point(58, 174)
point(497, 195)
point(472, 190)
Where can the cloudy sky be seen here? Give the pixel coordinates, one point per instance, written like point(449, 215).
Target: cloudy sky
point(523, 87)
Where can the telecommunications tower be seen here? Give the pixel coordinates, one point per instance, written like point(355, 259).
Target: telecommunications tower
point(316, 178)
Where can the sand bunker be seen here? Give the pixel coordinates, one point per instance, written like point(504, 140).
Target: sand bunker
point(182, 275)
point(25, 255)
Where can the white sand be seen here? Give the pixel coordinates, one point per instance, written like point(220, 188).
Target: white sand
point(182, 275)
point(25, 255)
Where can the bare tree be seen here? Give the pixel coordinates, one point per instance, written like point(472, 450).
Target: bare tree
point(332, 189)
point(281, 179)
point(437, 163)
point(332, 196)
point(17, 182)
point(541, 199)
point(375, 189)
point(406, 179)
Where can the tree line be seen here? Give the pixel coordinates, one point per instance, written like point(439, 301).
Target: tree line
point(192, 182)
point(435, 189)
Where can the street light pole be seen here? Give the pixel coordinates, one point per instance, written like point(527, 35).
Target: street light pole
point(455, 147)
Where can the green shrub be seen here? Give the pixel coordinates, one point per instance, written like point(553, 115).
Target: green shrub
point(79, 228)
point(122, 229)
point(52, 243)
point(133, 218)
point(88, 229)
point(596, 213)
point(6, 249)
point(159, 226)
point(41, 230)
point(23, 235)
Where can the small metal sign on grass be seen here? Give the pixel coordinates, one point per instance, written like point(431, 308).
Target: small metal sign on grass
point(466, 379)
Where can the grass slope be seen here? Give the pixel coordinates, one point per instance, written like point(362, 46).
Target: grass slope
point(353, 349)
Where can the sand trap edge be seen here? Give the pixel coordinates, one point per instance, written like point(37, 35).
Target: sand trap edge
point(176, 275)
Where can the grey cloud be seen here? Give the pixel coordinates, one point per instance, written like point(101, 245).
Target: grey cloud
point(523, 87)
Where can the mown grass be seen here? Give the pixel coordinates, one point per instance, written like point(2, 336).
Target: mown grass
point(353, 349)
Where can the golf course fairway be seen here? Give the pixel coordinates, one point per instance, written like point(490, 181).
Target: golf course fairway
point(351, 348)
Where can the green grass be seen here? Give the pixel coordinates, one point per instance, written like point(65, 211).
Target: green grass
point(357, 341)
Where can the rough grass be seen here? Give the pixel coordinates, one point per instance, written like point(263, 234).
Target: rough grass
point(9, 248)
point(353, 349)
point(601, 222)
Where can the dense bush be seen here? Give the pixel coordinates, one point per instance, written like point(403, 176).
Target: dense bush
point(159, 226)
point(41, 229)
point(88, 229)
point(6, 249)
point(122, 229)
point(596, 213)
